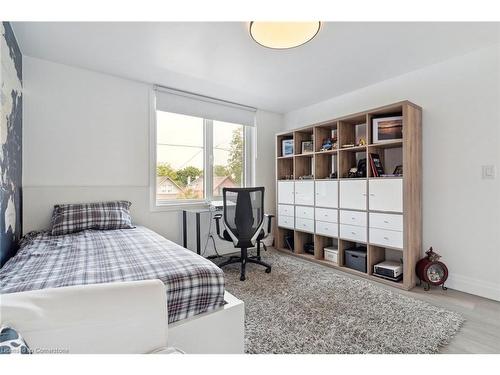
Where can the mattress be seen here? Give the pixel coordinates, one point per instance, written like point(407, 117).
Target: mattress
point(194, 284)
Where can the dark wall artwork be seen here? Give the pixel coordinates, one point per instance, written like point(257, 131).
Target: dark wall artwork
point(11, 122)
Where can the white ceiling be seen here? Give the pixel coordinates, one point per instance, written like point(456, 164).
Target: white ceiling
point(220, 59)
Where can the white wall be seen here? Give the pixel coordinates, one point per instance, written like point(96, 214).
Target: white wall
point(86, 138)
point(461, 132)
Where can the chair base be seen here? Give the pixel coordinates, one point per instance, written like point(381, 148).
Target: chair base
point(244, 259)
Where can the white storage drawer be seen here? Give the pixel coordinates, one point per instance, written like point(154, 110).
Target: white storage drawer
point(304, 193)
point(384, 237)
point(286, 192)
point(353, 194)
point(386, 221)
point(326, 214)
point(353, 233)
point(327, 194)
point(386, 194)
point(286, 210)
point(327, 229)
point(304, 212)
point(353, 218)
point(305, 225)
point(286, 221)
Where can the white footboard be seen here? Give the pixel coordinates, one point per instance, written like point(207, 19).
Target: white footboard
point(218, 332)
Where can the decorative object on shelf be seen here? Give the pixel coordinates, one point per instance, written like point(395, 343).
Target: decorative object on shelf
point(362, 142)
point(387, 129)
point(288, 177)
point(353, 173)
point(307, 147)
point(289, 241)
point(287, 147)
point(333, 175)
point(306, 177)
point(398, 171)
point(348, 145)
point(361, 168)
point(431, 271)
point(327, 145)
point(376, 165)
point(309, 248)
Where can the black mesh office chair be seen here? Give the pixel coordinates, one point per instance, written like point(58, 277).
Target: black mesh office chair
point(244, 224)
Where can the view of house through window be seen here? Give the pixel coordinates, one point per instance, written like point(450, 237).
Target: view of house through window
point(183, 147)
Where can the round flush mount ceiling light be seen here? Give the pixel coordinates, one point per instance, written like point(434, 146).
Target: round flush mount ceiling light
point(283, 35)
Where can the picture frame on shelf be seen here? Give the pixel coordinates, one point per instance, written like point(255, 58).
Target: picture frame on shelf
point(307, 147)
point(398, 171)
point(386, 129)
point(287, 147)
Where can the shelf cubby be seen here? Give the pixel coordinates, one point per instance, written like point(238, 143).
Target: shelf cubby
point(280, 238)
point(279, 144)
point(303, 136)
point(346, 245)
point(323, 132)
point(320, 242)
point(390, 111)
point(377, 254)
point(390, 154)
point(285, 169)
point(300, 239)
point(325, 164)
point(304, 165)
point(352, 130)
point(349, 158)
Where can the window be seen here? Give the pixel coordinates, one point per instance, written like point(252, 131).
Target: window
point(196, 158)
point(228, 156)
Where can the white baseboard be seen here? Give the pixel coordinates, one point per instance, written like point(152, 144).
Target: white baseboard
point(474, 286)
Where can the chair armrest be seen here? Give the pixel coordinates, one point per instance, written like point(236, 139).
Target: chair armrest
point(217, 218)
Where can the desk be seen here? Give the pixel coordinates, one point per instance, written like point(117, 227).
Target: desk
point(197, 213)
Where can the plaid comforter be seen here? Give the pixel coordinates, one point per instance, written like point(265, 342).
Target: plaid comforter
point(194, 284)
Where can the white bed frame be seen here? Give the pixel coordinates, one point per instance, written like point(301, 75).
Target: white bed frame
point(217, 332)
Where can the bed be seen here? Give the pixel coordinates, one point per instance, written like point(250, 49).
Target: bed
point(194, 284)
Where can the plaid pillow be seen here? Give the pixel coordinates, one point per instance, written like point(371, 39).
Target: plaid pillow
point(70, 218)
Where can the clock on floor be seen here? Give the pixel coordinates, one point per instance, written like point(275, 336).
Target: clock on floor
point(431, 271)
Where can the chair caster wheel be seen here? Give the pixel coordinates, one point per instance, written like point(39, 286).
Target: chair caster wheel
point(242, 278)
point(268, 270)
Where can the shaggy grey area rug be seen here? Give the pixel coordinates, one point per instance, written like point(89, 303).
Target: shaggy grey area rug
point(302, 307)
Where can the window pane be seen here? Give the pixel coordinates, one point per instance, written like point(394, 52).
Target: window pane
point(228, 156)
point(179, 156)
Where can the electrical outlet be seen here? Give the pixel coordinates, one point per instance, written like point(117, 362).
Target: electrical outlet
point(488, 172)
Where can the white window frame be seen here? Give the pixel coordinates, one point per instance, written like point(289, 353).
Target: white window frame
point(249, 156)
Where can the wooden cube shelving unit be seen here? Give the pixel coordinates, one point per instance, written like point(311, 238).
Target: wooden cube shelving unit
point(381, 213)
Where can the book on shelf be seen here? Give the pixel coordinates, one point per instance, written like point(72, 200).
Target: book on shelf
point(376, 165)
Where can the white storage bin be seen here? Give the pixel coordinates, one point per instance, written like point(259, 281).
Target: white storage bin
point(331, 254)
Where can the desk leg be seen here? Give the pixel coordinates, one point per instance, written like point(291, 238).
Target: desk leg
point(198, 244)
point(184, 229)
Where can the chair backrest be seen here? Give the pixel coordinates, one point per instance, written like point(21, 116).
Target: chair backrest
point(243, 214)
